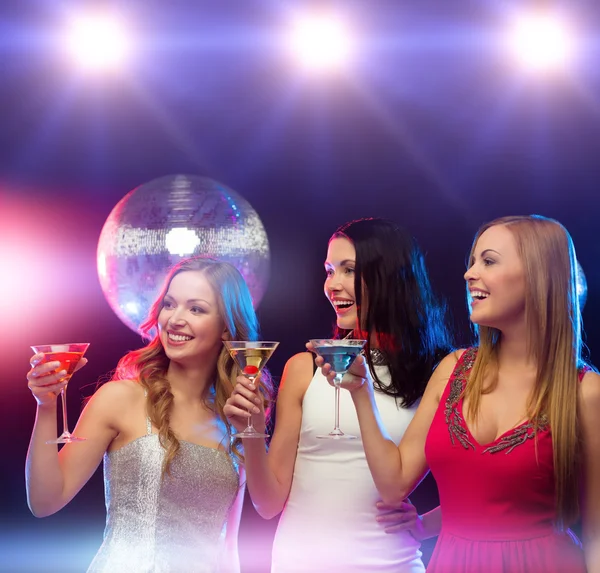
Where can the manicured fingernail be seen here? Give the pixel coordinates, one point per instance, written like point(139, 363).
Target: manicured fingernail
point(255, 410)
point(257, 400)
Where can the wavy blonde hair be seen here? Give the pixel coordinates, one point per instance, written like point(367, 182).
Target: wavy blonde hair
point(149, 365)
point(553, 321)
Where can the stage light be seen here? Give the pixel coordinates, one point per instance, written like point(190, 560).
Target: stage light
point(320, 42)
point(541, 42)
point(97, 41)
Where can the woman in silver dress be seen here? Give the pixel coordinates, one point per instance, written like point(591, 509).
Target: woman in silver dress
point(173, 484)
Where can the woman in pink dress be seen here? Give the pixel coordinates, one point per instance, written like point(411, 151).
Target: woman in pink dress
point(510, 429)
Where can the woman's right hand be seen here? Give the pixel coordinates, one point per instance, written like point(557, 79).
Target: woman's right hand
point(356, 377)
point(243, 400)
point(46, 379)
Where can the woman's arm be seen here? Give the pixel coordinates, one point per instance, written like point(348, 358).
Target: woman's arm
point(53, 478)
point(590, 420)
point(230, 560)
point(404, 517)
point(396, 470)
point(269, 475)
point(430, 524)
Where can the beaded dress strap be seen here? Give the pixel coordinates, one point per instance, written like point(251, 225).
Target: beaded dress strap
point(148, 422)
point(583, 370)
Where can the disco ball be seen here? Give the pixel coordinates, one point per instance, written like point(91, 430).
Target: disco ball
point(170, 218)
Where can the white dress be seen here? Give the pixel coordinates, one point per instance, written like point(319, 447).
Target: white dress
point(328, 524)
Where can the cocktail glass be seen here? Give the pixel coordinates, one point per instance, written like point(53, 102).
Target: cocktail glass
point(340, 353)
point(251, 357)
point(69, 356)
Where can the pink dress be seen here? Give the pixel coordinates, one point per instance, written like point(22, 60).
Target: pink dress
point(497, 499)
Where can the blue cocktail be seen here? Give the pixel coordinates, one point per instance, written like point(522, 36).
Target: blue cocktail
point(340, 354)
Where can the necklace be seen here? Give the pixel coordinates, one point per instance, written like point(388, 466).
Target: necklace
point(377, 357)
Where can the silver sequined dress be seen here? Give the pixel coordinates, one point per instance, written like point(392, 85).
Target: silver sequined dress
point(172, 525)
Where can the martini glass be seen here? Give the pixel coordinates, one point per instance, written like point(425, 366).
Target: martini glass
point(340, 353)
point(251, 357)
point(69, 356)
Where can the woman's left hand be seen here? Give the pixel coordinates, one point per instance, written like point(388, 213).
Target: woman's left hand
point(401, 517)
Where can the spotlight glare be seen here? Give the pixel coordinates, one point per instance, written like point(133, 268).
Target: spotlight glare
point(181, 241)
point(320, 42)
point(542, 42)
point(582, 288)
point(97, 41)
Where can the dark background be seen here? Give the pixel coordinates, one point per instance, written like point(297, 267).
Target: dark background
point(431, 125)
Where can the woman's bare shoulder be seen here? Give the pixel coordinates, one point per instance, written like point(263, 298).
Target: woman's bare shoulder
point(297, 374)
point(443, 372)
point(118, 393)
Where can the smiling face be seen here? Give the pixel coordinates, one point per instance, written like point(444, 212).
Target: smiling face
point(189, 323)
point(496, 280)
point(339, 281)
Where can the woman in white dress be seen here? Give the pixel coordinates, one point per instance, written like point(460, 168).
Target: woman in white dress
point(378, 286)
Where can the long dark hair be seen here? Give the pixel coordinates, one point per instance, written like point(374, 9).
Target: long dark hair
point(401, 309)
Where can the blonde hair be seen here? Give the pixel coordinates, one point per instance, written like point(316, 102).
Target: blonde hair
point(553, 324)
point(149, 365)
